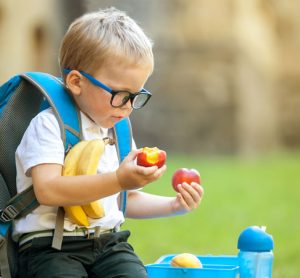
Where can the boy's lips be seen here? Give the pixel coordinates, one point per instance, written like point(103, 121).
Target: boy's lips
point(117, 118)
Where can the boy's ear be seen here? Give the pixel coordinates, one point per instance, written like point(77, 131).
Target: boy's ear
point(73, 82)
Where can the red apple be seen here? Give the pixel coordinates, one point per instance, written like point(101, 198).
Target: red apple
point(185, 175)
point(151, 156)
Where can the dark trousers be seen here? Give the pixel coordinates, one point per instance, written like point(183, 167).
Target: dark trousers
point(108, 256)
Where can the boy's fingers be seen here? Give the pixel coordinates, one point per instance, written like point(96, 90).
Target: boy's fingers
point(188, 193)
point(160, 171)
point(146, 171)
point(151, 170)
point(132, 155)
point(198, 188)
point(191, 193)
point(183, 202)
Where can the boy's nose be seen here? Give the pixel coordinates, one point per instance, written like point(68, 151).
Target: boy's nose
point(127, 105)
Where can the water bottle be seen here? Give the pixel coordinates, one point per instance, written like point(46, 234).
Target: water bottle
point(255, 255)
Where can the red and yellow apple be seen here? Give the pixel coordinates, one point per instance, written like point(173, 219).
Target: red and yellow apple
point(151, 157)
point(185, 175)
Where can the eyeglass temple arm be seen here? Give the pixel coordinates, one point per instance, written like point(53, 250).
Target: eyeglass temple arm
point(92, 79)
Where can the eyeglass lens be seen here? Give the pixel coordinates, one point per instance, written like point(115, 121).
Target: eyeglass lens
point(121, 98)
point(139, 101)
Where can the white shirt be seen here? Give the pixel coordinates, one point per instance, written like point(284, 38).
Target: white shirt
point(41, 143)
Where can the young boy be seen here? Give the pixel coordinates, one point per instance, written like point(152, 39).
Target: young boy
point(105, 60)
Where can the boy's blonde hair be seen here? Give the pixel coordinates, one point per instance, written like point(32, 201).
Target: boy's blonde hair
point(97, 36)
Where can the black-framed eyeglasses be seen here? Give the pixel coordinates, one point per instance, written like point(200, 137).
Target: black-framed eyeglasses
point(120, 98)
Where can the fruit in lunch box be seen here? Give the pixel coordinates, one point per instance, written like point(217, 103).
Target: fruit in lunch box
point(151, 157)
point(185, 175)
point(83, 159)
point(186, 260)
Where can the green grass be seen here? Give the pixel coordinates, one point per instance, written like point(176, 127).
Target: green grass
point(238, 193)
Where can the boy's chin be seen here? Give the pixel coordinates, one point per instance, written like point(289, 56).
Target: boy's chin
point(103, 123)
point(107, 124)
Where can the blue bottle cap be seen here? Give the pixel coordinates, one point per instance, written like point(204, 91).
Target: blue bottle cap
point(255, 239)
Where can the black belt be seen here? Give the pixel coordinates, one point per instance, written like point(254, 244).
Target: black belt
point(25, 240)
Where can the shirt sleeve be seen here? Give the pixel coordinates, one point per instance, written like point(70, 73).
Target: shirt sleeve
point(41, 142)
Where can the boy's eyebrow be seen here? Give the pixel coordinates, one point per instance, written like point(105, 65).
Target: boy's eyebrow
point(128, 90)
point(118, 87)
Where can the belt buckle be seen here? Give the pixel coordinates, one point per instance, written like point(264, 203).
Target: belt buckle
point(84, 232)
point(98, 231)
point(9, 213)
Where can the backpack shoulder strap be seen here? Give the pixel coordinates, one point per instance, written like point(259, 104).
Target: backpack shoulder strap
point(123, 135)
point(69, 118)
point(57, 96)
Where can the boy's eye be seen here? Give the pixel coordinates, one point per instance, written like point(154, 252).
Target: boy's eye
point(120, 98)
point(138, 100)
point(125, 99)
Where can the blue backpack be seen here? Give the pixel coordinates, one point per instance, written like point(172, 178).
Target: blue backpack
point(21, 98)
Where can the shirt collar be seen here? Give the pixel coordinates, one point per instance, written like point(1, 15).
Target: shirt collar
point(91, 127)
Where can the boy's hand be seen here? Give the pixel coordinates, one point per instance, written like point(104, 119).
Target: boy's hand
point(188, 198)
point(132, 176)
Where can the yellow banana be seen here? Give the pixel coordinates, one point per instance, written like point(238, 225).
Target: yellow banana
point(72, 158)
point(83, 159)
point(87, 165)
point(89, 157)
point(75, 213)
point(94, 209)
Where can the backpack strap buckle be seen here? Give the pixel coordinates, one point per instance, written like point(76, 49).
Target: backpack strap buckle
point(9, 213)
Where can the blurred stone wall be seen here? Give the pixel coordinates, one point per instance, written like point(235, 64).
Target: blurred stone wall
point(30, 34)
point(226, 74)
point(226, 78)
point(287, 28)
point(192, 109)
